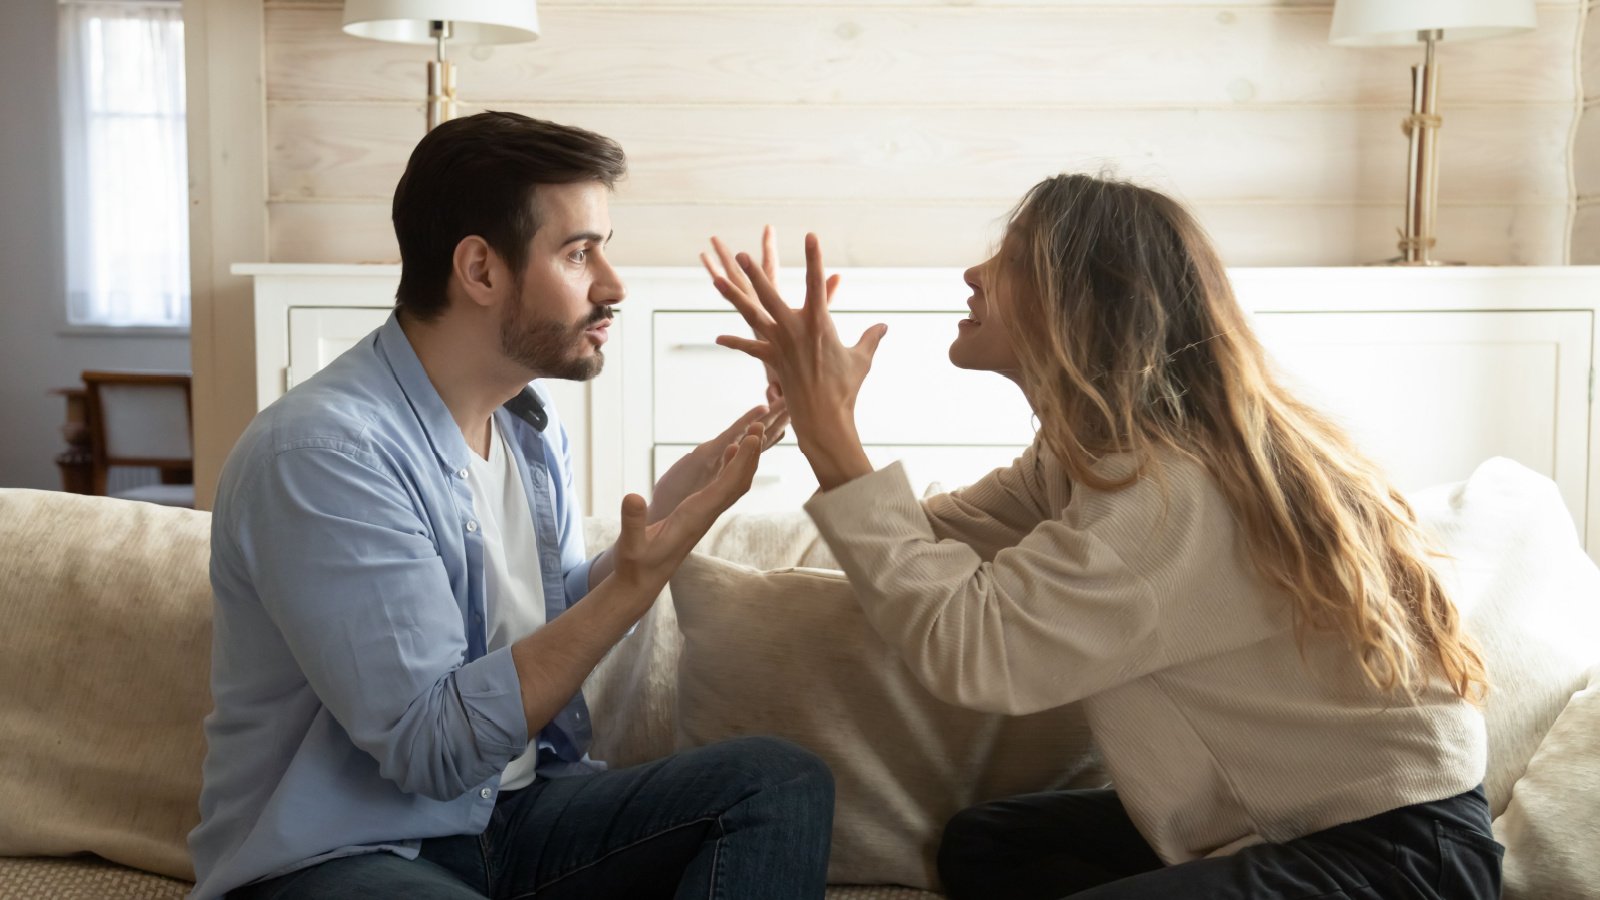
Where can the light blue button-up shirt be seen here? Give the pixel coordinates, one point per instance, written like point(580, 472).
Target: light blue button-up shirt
point(356, 707)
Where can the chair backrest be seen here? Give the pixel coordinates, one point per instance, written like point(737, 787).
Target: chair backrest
point(139, 419)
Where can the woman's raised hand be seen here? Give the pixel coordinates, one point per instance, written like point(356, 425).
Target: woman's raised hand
point(819, 376)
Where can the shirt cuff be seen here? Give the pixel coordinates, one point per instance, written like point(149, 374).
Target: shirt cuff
point(491, 694)
point(577, 580)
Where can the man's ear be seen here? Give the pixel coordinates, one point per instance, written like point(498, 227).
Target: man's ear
point(478, 270)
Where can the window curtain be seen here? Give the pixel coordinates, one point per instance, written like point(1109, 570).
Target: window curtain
point(126, 163)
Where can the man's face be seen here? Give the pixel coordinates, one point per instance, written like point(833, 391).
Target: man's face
point(559, 317)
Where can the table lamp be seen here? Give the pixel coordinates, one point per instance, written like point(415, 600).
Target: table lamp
point(1390, 23)
point(437, 22)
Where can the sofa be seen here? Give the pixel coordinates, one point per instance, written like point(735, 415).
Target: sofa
point(104, 655)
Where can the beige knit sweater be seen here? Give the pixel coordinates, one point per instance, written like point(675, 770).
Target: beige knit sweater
point(1017, 594)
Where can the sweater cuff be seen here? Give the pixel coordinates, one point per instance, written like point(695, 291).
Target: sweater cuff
point(878, 503)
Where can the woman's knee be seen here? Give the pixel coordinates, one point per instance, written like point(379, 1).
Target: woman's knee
point(969, 849)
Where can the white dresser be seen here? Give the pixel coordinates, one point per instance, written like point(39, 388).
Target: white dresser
point(1432, 370)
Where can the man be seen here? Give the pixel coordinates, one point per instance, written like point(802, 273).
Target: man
point(397, 560)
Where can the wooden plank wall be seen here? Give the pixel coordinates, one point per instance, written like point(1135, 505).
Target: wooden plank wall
point(1586, 149)
point(903, 130)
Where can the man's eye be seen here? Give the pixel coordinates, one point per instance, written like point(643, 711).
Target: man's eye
point(579, 255)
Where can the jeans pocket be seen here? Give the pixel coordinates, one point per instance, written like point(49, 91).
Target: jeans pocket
point(1469, 863)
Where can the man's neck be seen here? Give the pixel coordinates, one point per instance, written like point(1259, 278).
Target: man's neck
point(472, 383)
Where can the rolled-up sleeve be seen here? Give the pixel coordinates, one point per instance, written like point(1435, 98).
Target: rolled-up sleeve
point(346, 567)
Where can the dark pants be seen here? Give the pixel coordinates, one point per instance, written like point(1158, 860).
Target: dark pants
point(1081, 844)
point(749, 818)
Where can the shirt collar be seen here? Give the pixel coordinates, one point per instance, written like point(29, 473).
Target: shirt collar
point(443, 434)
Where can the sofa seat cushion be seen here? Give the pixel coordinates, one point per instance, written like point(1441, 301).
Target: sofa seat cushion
point(84, 878)
point(105, 652)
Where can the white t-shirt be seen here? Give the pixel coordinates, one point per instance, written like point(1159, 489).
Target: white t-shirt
point(513, 585)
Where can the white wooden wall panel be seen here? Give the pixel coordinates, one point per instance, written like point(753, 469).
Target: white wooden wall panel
point(908, 234)
point(1586, 234)
point(681, 153)
point(866, 53)
point(1586, 146)
point(902, 130)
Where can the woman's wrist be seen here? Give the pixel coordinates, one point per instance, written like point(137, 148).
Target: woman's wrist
point(834, 449)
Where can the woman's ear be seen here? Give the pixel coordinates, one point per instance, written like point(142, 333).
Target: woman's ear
point(475, 268)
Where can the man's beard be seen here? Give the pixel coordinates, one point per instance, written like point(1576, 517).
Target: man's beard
point(553, 349)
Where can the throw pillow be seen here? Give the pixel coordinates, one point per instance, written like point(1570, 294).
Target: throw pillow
point(788, 653)
point(106, 657)
point(1530, 596)
point(1551, 828)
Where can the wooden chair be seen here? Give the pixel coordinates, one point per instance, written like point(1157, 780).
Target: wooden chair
point(143, 419)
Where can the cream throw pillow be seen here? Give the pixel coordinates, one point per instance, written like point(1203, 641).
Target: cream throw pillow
point(788, 653)
point(1551, 828)
point(1530, 596)
point(105, 654)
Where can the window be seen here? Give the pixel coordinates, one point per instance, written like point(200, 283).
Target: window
point(126, 163)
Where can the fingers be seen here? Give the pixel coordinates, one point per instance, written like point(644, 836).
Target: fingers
point(729, 265)
point(738, 471)
point(833, 285)
point(761, 350)
point(870, 339)
point(630, 543)
point(765, 291)
point(756, 414)
point(775, 424)
point(769, 252)
point(816, 282)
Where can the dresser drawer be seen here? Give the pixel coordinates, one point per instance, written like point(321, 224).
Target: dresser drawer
point(913, 395)
point(784, 479)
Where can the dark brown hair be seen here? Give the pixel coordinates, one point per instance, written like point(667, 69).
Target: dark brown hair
point(478, 175)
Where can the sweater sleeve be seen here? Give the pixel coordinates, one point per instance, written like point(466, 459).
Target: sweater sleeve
point(994, 512)
point(1050, 620)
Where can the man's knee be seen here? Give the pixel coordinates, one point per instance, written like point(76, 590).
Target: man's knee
point(765, 763)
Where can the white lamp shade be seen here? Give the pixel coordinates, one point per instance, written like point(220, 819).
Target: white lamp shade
point(472, 21)
point(1390, 23)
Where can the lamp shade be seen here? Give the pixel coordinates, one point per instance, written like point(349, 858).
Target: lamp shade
point(472, 21)
point(1389, 23)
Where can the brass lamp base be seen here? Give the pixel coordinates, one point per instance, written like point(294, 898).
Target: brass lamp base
point(1422, 172)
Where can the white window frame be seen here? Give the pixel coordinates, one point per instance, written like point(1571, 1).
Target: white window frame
point(106, 254)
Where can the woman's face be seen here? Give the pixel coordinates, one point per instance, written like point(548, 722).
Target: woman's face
point(983, 339)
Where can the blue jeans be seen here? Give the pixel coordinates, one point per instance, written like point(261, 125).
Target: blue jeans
point(748, 818)
point(1082, 845)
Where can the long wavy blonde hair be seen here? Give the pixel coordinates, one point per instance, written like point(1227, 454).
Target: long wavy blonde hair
point(1137, 345)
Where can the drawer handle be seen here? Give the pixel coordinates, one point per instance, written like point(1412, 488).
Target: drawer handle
point(697, 346)
point(767, 479)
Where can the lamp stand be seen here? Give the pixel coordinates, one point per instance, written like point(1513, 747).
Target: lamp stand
point(441, 79)
point(1422, 174)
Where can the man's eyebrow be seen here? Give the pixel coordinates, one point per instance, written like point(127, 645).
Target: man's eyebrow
point(588, 236)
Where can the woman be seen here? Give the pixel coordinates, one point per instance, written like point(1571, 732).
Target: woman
point(1282, 692)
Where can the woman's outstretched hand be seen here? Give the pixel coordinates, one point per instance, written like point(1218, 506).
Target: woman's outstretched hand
point(818, 375)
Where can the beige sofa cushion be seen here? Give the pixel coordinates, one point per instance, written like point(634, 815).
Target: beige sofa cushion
point(1530, 596)
point(789, 653)
point(105, 649)
point(1551, 827)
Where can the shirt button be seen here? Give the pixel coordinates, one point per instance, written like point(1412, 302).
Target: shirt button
point(461, 473)
point(486, 793)
point(472, 525)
